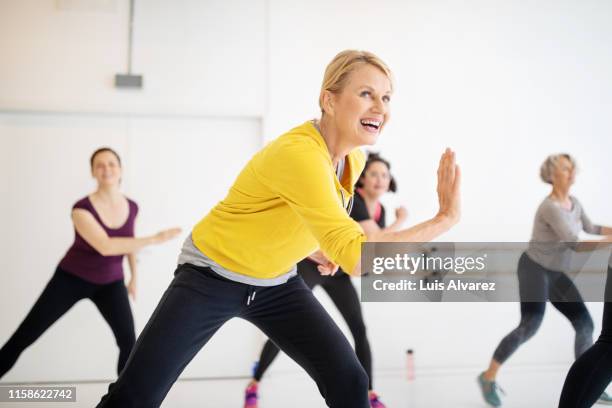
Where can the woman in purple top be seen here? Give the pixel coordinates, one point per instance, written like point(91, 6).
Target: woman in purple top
point(92, 267)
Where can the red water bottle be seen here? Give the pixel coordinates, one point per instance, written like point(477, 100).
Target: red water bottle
point(410, 365)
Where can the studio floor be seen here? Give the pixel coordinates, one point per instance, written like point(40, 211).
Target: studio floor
point(526, 387)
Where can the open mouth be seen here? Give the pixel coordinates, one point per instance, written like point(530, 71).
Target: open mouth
point(371, 125)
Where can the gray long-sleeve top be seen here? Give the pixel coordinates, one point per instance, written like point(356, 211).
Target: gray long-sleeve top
point(555, 233)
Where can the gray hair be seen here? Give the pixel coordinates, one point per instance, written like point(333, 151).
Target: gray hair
point(548, 167)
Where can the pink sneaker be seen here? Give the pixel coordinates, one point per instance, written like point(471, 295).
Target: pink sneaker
point(250, 396)
point(375, 402)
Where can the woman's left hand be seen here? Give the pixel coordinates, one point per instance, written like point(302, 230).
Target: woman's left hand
point(325, 266)
point(131, 288)
point(328, 268)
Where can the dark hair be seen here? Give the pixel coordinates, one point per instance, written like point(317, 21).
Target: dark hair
point(102, 150)
point(373, 158)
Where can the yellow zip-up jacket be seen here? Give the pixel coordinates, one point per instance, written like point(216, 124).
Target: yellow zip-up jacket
point(285, 204)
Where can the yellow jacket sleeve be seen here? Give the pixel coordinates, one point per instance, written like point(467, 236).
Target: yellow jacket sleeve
point(301, 174)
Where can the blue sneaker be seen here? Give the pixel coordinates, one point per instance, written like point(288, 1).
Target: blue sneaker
point(605, 399)
point(489, 391)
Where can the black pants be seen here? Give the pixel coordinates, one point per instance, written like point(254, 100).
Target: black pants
point(592, 372)
point(198, 302)
point(60, 294)
point(537, 282)
point(343, 294)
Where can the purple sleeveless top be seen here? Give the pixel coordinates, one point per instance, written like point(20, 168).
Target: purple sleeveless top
point(84, 261)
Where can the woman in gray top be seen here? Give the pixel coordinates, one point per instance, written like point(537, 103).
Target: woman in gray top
point(541, 270)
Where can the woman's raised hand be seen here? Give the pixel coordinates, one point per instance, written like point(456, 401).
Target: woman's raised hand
point(449, 183)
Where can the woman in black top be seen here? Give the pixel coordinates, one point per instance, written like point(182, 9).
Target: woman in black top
point(375, 181)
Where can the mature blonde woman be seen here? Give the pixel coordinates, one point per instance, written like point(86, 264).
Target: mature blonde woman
point(368, 211)
point(541, 271)
point(286, 203)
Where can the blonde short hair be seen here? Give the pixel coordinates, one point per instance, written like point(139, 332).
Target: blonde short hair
point(338, 71)
point(548, 167)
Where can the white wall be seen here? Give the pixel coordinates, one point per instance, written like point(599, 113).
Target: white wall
point(178, 138)
point(197, 58)
point(173, 169)
point(504, 83)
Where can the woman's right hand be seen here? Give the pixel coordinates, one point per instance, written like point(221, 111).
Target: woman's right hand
point(449, 183)
point(166, 235)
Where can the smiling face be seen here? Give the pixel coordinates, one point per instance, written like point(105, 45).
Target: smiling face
point(564, 173)
point(360, 110)
point(376, 179)
point(106, 169)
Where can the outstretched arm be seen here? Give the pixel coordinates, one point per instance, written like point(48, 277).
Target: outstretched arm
point(87, 226)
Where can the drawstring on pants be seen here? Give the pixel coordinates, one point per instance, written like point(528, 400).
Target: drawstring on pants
point(251, 297)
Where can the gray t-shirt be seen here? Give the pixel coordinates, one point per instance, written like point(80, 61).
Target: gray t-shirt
point(192, 255)
point(555, 233)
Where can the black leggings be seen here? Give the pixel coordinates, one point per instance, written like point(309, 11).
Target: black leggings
point(198, 302)
point(592, 372)
point(60, 294)
point(343, 294)
point(537, 282)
